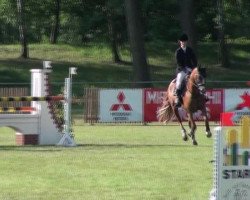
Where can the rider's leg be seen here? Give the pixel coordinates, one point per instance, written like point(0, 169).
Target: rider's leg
point(179, 79)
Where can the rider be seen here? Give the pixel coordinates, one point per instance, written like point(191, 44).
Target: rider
point(186, 61)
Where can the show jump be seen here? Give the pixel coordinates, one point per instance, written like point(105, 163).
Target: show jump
point(40, 125)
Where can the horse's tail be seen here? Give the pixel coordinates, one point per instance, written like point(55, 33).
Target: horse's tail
point(165, 112)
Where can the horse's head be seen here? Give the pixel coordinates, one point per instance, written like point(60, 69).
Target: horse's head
point(198, 77)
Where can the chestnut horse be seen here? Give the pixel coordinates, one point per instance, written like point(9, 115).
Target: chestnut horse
point(193, 99)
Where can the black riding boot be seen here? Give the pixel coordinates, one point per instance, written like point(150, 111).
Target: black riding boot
point(177, 93)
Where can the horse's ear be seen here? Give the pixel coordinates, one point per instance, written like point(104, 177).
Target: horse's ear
point(203, 71)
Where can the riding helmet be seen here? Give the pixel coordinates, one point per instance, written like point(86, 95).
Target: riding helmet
point(183, 37)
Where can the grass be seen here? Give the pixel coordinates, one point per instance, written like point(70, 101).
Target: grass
point(110, 162)
point(95, 66)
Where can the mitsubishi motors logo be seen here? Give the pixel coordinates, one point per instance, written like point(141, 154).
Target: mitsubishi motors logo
point(120, 105)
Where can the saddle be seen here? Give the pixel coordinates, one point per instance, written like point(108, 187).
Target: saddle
point(183, 88)
point(183, 84)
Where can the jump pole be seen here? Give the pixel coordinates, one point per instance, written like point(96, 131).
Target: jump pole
point(17, 109)
point(68, 138)
point(32, 98)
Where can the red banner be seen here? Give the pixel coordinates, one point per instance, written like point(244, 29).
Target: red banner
point(226, 119)
point(216, 104)
point(153, 99)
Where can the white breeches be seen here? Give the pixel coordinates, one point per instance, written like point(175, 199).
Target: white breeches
point(180, 77)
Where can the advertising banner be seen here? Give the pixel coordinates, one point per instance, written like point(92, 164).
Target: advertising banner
point(137, 105)
point(232, 169)
point(121, 105)
point(153, 99)
point(236, 99)
point(237, 104)
point(215, 105)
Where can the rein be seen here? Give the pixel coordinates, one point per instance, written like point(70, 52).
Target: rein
point(193, 83)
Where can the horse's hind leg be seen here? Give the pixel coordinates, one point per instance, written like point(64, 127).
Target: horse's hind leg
point(189, 123)
point(183, 130)
point(192, 126)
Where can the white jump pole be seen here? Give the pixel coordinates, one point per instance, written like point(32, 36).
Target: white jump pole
point(67, 139)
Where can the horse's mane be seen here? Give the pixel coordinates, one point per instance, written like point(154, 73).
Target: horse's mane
point(202, 71)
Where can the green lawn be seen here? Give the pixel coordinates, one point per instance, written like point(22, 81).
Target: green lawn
point(95, 66)
point(132, 162)
point(110, 162)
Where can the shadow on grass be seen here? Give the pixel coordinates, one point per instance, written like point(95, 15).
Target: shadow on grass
point(119, 145)
point(88, 147)
point(30, 148)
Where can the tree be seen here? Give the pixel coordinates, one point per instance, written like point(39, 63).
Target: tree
point(112, 35)
point(111, 12)
point(134, 25)
point(55, 22)
point(22, 29)
point(223, 51)
point(187, 20)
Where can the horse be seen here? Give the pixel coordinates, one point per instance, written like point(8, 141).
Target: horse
point(193, 99)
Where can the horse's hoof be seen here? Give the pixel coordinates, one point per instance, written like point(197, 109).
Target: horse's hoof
point(195, 143)
point(184, 135)
point(185, 138)
point(208, 134)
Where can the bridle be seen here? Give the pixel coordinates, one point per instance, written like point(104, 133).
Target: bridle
point(199, 84)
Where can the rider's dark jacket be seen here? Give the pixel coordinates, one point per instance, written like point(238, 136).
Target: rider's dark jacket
point(185, 59)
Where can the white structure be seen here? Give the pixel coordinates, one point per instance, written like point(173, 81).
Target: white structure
point(39, 127)
point(67, 139)
point(230, 181)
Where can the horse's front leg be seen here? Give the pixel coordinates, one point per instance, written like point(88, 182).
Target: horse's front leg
point(183, 130)
point(192, 128)
point(208, 132)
